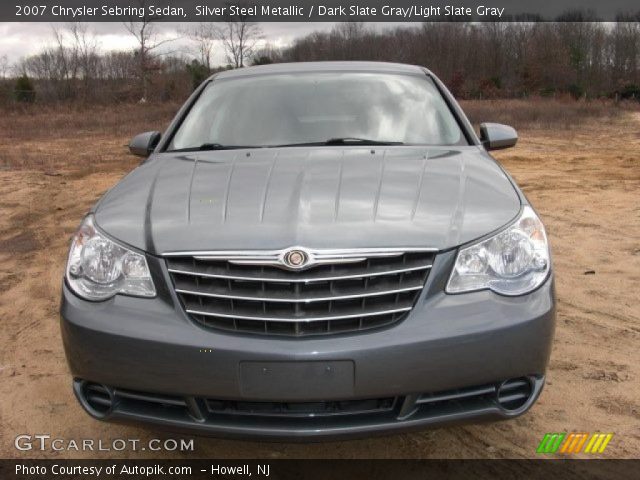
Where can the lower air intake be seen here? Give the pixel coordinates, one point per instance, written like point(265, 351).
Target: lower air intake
point(513, 394)
point(98, 398)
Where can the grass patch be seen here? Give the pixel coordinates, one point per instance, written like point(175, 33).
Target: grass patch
point(71, 137)
point(81, 138)
point(543, 113)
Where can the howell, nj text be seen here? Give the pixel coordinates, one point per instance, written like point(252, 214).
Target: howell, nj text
point(244, 470)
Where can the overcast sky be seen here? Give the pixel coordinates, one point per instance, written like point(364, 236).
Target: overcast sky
point(18, 40)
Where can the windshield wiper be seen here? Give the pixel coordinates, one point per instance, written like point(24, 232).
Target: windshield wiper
point(211, 146)
point(339, 141)
point(358, 141)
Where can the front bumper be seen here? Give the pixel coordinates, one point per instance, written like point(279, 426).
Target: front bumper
point(448, 344)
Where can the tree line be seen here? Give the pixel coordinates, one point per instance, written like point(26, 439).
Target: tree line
point(495, 59)
point(476, 60)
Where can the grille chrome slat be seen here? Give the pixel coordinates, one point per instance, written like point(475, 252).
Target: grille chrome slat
point(325, 253)
point(337, 292)
point(299, 319)
point(300, 300)
point(302, 279)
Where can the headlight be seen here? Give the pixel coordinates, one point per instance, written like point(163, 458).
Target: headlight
point(512, 262)
point(98, 268)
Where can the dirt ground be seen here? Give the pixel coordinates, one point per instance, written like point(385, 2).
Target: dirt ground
point(584, 182)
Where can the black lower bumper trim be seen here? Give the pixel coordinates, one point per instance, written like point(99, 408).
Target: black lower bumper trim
point(310, 420)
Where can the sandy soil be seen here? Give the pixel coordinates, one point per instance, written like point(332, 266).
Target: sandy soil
point(585, 183)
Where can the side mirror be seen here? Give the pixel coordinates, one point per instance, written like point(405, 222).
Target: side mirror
point(143, 144)
point(495, 136)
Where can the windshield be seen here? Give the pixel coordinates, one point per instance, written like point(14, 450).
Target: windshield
point(318, 108)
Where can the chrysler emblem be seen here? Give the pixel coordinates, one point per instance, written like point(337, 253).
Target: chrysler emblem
point(295, 259)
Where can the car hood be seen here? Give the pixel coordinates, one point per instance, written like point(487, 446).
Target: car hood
point(318, 197)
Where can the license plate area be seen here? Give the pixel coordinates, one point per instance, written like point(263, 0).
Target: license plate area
point(297, 381)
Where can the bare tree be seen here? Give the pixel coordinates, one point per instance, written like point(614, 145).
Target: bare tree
point(85, 48)
point(266, 54)
point(625, 51)
point(64, 56)
point(4, 66)
point(82, 53)
point(204, 35)
point(147, 51)
point(239, 37)
point(73, 57)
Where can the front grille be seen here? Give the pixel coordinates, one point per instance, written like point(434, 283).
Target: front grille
point(349, 293)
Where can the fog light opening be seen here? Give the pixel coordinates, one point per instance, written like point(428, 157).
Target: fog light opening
point(513, 394)
point(97, 399)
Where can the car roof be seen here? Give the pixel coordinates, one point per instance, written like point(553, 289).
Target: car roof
point(299, 67)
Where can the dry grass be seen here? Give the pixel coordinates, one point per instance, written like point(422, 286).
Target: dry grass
point(42, 137)
point(544, 113)
point(35, 137)
point(68, 118)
